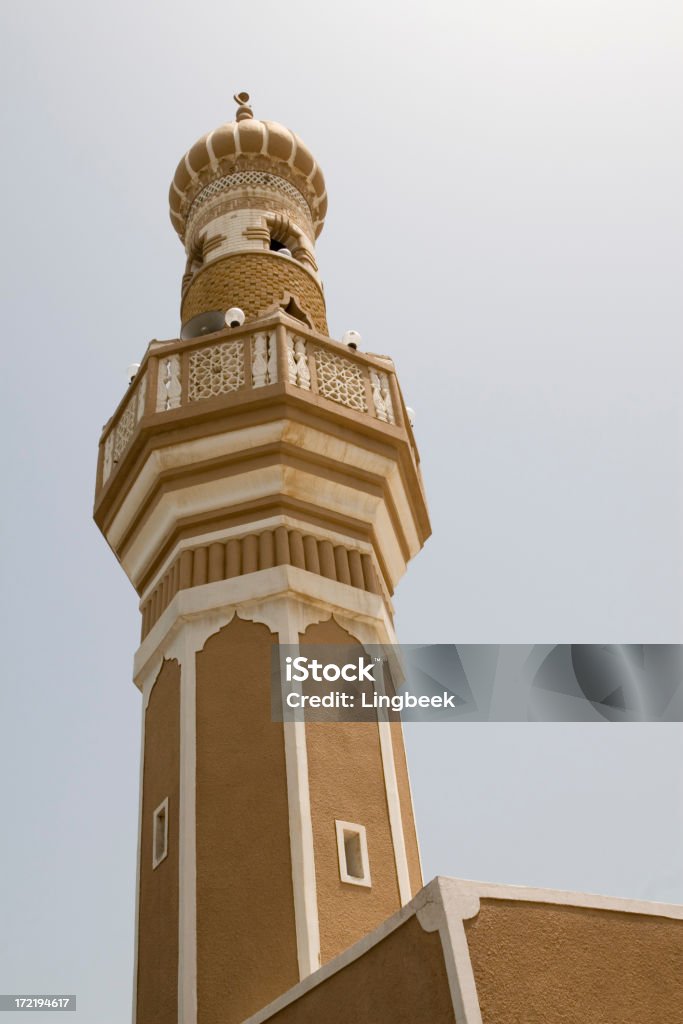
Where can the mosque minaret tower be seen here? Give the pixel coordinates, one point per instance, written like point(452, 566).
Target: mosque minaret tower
point(259, 483)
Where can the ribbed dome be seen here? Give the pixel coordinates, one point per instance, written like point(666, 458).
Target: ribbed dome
point(247, 144)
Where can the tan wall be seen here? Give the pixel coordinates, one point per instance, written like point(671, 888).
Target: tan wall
point(536, 963)
point(401, 980)
point(255, 282)
point(157, 976)
point(246, 937)
point(347, 784)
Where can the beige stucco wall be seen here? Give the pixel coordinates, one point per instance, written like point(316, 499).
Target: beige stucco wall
point(540, 964)
point(347, 784)
point(246, 936)
point(157, 972)
point(400, 980)
point(492, 954)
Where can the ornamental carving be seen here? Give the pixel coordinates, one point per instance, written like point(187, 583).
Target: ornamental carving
point(381, 396)
point(216, 370)
point(263, 360)
point(249, 179)
point(169, 389)
point(340, 380)
point(298, 369)
point(120, 436)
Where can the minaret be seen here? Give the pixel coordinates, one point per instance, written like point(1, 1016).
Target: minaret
point(259, 483)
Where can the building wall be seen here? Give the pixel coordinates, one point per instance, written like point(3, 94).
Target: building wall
point(536, 963)
point(400, 980)
point(157, 970)
point(246, 934)
point(347, 783)
point(255, 282)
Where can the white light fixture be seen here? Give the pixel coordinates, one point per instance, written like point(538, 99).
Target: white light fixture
point(234, 317)
point(351, 339)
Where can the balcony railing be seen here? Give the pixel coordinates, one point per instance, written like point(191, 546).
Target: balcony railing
point(182, 374)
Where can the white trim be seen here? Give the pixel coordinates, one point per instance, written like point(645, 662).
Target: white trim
point(393, 640)
point(561, 897)
point(288, 618)
point(302, 850)
point(458, 900)
point(398, 835)
point(446, 911)
point(461, 981)
point(183, 646)
point(158, 858)
point(187, 835)
point(412, 805)
point(344, 829)
point(137, 867)
point(256, 591)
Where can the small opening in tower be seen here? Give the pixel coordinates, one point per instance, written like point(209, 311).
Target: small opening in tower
point(160, 834)
point(275, 246)
point(294, 310)
point(354, 859)
point(352, 847)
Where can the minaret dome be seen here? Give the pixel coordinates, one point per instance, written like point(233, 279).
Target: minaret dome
point(248, 201)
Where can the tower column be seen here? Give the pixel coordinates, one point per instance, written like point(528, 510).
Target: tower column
point(286, 612)
point(259, 483)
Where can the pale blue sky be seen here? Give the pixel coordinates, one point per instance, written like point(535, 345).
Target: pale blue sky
point(505, 220)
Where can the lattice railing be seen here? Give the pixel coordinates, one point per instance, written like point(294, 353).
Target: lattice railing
point(185, 375)
point(216, 371)
point(341, 380)
point(119, 437)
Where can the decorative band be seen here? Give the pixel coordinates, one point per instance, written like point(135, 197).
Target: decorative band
point(253, 179)
point(239, 556)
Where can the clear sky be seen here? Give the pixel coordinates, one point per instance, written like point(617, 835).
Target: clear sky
point(505, 221)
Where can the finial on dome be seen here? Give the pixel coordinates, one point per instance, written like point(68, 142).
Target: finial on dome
point(244, 111)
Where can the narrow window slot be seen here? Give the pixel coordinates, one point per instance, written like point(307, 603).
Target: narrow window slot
point(352, 848)
point(352, 851)
point(160, 833)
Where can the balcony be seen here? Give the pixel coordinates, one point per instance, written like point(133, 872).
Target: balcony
point(179, 380)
